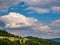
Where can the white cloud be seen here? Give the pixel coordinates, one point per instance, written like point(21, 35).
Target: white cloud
point(13, 20)
point(45, 28)
point(16, 20)
point(42, 28)
point(55, 23)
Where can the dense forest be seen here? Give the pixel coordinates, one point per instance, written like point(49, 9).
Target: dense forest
point(5, 33)
point(11, 39)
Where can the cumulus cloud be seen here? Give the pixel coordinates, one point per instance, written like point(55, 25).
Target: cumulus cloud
point(13, 20)
point(55, 23)
point(19, 21)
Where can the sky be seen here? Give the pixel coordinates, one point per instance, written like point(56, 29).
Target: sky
point(38, 18)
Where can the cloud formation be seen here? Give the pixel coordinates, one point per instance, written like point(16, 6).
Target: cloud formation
point(40, 6)
point(55, 23)
point(45, 28)
point(18, 21)
point(56, 9)
point(44, 6)
point(15, 20)
point(38, 10)
point(26, 26)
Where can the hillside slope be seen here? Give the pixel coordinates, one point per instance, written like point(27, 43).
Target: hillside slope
point(5, 33)
point(8, 39)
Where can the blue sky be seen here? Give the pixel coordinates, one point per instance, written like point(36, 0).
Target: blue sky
point(39, 18)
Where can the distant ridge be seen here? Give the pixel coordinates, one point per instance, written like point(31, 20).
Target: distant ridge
point(56, 39)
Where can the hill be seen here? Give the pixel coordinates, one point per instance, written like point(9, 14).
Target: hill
point(5, 33)
point(56, 39)
point(16, 40)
